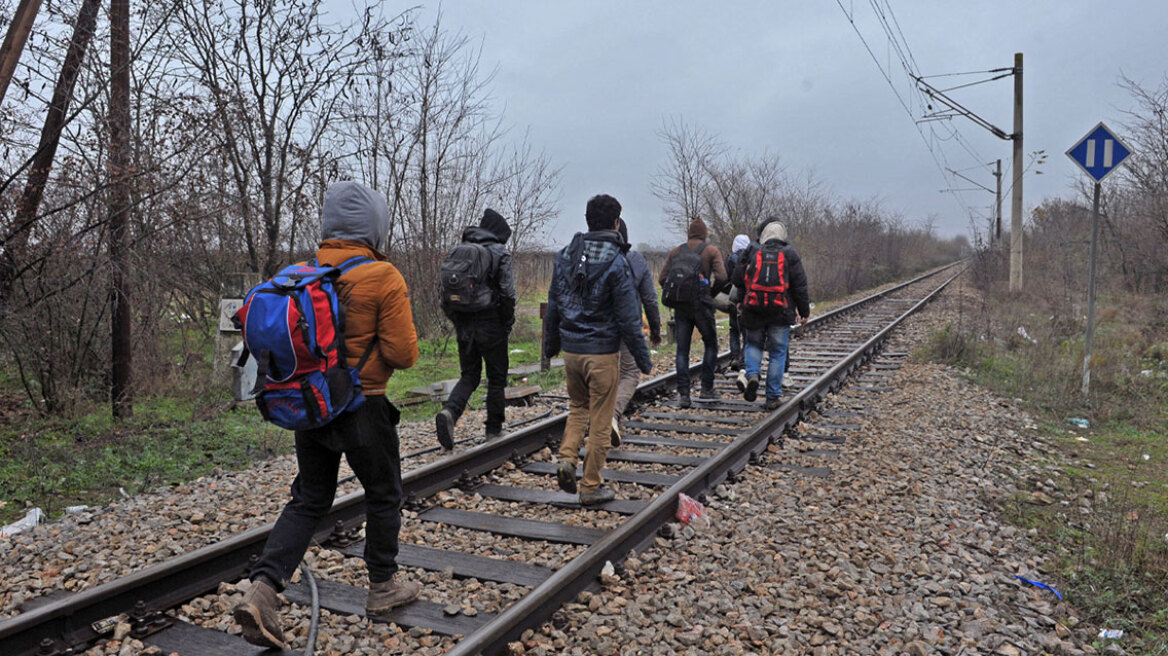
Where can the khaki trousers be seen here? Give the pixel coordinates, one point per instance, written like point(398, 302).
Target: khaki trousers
point(592, 388)
point(630, 375)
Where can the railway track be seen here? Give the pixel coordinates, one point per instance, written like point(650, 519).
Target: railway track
point(667, 451)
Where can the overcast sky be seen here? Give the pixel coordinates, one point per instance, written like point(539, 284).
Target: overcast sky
point(594, 81)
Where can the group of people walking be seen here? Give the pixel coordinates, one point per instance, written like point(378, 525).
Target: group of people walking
point(600, 299)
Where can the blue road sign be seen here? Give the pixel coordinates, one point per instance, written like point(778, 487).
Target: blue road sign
point(1099, 153)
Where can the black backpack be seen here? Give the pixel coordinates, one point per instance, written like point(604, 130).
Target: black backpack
point(766, 279)
point(683, 283)
point(466, 278)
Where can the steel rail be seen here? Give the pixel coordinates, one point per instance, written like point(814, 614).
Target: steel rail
point(68, 622)
point(537, 606)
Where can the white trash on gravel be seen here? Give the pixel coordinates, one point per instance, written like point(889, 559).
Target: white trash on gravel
point(30, 520)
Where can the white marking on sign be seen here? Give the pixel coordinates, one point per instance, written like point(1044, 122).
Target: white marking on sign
point(1090, 153)
point(1108, 145)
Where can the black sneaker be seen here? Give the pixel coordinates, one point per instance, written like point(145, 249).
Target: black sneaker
point(751, 392)
point(710, 394)
point(683, 401)
point(773, 403)
point(493, 432)
point(444, 424)
point(601, 495)
point(566, 477)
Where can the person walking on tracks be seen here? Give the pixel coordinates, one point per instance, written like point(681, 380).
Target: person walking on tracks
point(592, 309)
point(731, 263)
point(773, 288)
point(478, 296)
point(647, 300)
point(693, 272)
point(379, 333)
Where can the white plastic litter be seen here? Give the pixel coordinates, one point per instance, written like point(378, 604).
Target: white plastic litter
point(514, 351)
point(1025, 335)
point(1111, 634)
point(75, 510)
point(608, 569)
point(30, 520)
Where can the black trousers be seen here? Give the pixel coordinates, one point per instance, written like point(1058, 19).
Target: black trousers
point(481, 343)
point(368, 439)
point(700, 316)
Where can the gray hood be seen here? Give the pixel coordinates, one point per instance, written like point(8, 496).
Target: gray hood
point(355, 212)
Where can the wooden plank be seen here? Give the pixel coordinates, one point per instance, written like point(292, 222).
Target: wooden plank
point(812, 472)
point(190, 640)
point(652, 440)
point(727, 405)
point(463, 565)
point(681, 416)
point(556, 498)
point(522, 391)
point(680, 428)
point(526, 369)
point(647, 457)
point(350, 600)
point(640, 478)
point(528, 529)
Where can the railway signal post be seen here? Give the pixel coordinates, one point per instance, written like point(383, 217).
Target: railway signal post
point(1098, 154)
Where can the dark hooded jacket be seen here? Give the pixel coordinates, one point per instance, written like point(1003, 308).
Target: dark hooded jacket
point(592, 303)
point(797, 297)
point(492, 232)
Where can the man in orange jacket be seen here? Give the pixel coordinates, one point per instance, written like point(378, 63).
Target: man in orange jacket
point(354, 221)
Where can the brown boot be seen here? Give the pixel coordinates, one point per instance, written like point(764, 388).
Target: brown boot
point(258, 615)
point(387, 595)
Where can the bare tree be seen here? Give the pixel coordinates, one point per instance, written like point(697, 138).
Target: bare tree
point(525, 189)
point(682, 181)
point(275, 73)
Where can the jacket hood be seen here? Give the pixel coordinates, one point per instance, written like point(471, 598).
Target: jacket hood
point(740, 242)
point(698, 230)
point(354, 212)
point(494, 222)
point(773, 230)
point(477, 235)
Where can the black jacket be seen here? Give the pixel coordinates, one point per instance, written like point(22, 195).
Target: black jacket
point(502, 279)
point(592, 303)
point(796, 289)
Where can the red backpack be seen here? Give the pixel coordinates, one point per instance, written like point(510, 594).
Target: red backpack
point(766, 279)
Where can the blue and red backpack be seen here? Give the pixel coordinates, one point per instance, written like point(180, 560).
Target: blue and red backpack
point(294, 326)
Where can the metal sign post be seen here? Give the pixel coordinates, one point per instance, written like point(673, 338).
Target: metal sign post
point(1098, 154)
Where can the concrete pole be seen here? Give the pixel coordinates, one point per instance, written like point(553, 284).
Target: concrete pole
point(998, 204)
point(1016, 197)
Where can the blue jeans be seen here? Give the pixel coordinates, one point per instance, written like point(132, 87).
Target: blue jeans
point(700, 316)
point(777, 335)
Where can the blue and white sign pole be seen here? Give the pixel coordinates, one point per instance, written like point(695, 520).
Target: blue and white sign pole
point(1098, 154)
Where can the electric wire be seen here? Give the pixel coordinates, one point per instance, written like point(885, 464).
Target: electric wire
point(314, 624)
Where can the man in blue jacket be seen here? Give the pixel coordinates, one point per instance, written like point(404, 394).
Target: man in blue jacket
point(592, 309)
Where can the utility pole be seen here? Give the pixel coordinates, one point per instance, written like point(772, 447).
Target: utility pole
point(14, 41)
point(1016, 195)
point(998, 204)
point(121, 175)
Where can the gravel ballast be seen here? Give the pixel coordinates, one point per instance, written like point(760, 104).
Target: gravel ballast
point(898, 549)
